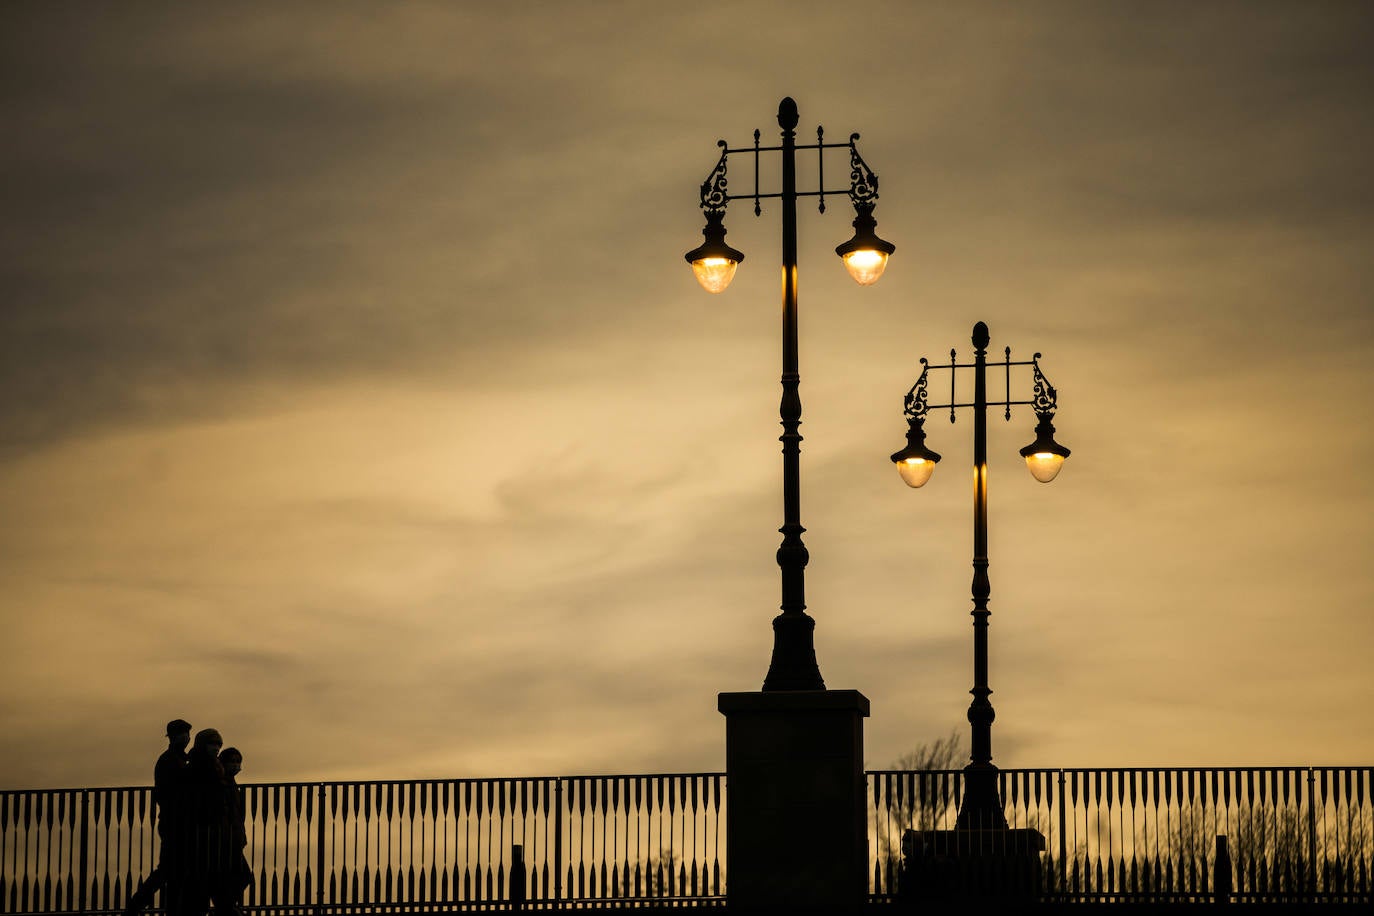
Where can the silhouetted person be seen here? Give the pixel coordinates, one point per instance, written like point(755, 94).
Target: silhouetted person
point(201, 830)
point(229, 896)
point(168, 774)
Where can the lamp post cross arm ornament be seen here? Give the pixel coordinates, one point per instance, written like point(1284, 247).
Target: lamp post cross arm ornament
point(793, 665)
point(982, 806)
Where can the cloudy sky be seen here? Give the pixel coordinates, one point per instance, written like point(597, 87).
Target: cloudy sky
point(355, 397)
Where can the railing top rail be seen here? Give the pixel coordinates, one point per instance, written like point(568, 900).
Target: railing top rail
point(456, 780)
point(1146, 769)
point(607, 777)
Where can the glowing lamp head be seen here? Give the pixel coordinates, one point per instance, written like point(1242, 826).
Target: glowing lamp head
point(915, 471)
point(915, 462)
point(1044, 457)
point(714, 262)
point(865, 255)
point(865, 266)
point(1044, 466)
point(714, 274)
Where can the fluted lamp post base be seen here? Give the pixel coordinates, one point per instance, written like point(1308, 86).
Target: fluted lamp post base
point(793, 665)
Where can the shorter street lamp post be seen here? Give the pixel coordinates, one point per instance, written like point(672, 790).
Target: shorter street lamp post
point(981, 808)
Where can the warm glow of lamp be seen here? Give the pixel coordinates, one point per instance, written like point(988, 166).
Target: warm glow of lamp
point(915, 462)
point(915, 471)
point(865, 255)
point(1044, 466)
point(1044, 457)
point(714, 262)
point(714, 274)
point(865, 266)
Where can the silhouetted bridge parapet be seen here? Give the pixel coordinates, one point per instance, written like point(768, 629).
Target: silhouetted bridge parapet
point(1148, 835)
point(595, 842)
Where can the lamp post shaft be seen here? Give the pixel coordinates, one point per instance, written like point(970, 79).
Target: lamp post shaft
point(793, 665)
point(982, 805)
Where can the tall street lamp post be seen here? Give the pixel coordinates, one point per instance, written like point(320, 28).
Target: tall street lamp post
point(793, 665)
point(982, 805)
point(797, 835)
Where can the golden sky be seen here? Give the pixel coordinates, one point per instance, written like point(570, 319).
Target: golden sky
point(357, 400)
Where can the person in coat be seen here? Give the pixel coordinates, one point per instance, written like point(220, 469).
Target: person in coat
point(201, 832)
point(168, 773)
point(238, 876)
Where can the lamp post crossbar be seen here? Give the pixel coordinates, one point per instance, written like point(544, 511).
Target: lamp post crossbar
point(793, 665)
point(1044, 400)
point(863, 183)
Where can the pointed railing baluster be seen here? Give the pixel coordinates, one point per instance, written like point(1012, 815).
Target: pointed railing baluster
point(594, 889)
point(623, 799)
point(408, 824)
point(500, 788)
point(69, 885)
point(107, 818)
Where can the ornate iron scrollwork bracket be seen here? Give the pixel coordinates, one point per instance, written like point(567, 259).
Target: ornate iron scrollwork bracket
point(1045, 399)
point(914, 405)
point(863, 184)
point(714, 196)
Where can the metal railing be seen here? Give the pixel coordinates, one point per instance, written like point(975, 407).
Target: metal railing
point(391, 846)
point(1149, 834)
point(1295, 833)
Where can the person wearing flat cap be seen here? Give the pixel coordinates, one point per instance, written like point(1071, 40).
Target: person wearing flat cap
point(169, 773)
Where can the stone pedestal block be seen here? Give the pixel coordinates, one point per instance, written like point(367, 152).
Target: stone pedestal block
point(796, 832)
